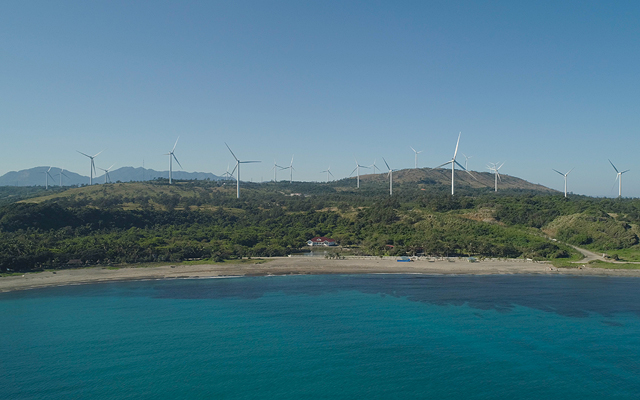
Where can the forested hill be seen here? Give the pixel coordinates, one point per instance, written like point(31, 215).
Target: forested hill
point(139, 222)
point(429, 178)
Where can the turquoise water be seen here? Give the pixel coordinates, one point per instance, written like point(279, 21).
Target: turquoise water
point(325, 337)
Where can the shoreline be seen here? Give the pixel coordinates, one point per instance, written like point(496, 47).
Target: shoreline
point(295, 266)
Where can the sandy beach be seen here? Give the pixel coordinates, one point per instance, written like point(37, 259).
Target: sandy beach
point(295, 266)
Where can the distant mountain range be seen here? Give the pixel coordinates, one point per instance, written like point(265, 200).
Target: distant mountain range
point(37, 176)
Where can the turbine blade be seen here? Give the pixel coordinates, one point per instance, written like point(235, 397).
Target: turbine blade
point(460, 165)
point(330, 173)
point(442, 165)
point(247, 162)
point(234, 170)
point(624, 171)
point(385, 163)
point(560, 172)
point(86, 155)
point(614, 167)
point(175, 158)
point(234, 156)
point(455, 153)
point(472, 175)
point(569, 171)
point(614, 183)
point(174, 146)
point(354, 170)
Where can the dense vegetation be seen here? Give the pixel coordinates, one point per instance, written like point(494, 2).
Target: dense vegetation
point(135, 222)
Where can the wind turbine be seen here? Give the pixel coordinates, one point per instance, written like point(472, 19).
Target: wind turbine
point(357, 170)
point(275, 170)
point(618, 178)
point(374, 166)
point(107, 178)
point(416, 156)
point(453, 163)
point(565, 178)
point(238, 162)
point(93, 166)
point(61, 175)
point(494, 167)
point(46, 178)
point(390, 173)
point(328, 171)
point(227, 174)
point(291, 169)
point(172, 157)
point(466, 160)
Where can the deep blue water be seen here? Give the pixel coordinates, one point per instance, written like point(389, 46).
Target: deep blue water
point(325, 337)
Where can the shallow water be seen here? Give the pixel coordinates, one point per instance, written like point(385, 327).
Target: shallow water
point(333, 337)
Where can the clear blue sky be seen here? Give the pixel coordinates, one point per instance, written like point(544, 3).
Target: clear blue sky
point(538, 84)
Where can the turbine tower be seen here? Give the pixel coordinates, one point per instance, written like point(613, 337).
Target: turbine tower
point(495, 168)
point(93, 166)
point(291, 169)
point(328, 171)
point(390, 173)
point(238, 162)
point(618, 178)
point(227, 174)
point(357, 170)
point(466, 160)
point(46, 178)
point(61, 175)
point(172, 157)
point(565, 179)
point(374, 166)
point(275, 170)
point(107, 178)
point(416, 156)
point(453, 163)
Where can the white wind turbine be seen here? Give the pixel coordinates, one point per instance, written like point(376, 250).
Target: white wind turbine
point(46, 178)
point(495, 168)
point(565, 179)
point(416, 156)
point(357, 170)
point(61, 174)
point(275, 170)
point(93, 166)
point(237, 168)
point(328, 171)
point(227, 174)
point(291, 169)
point(107, 178)
point(466, 160)
point(374, 166)
point(390, 173)
point(453, 163)
point(618, 178)
point(172, 157)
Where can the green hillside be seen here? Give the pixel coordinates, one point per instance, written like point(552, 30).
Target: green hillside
point(145, 222)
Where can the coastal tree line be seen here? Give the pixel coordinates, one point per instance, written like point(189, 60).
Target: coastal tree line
point(200, 222)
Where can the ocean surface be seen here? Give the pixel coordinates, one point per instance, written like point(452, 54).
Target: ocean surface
point(325, 337)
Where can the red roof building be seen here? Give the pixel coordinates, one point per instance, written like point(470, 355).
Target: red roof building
point(321, 241)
